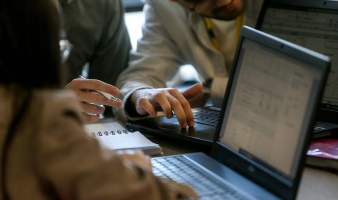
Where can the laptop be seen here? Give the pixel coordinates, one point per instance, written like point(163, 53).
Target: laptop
point(312, 24)
point(265, 126)
point(206, 119)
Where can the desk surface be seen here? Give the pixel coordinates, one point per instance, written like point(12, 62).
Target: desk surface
point(315, 184)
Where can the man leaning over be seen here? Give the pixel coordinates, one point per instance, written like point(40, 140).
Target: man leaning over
point(201, 33)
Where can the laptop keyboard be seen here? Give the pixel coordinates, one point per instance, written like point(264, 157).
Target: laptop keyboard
point(211, 117)
point(205, 116)
point(182, 170)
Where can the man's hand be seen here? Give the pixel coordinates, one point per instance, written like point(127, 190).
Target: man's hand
point(168, 100)
point(91, 101)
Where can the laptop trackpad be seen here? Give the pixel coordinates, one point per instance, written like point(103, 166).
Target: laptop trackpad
point(200, 127)
point(199, 130)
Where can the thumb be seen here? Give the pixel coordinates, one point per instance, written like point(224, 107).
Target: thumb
point(193, 91)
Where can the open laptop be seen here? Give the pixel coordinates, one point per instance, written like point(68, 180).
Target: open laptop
point(327, 123)
point(312, 24)
point(265, 124)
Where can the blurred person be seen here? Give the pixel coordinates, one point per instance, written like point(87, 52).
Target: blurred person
point(175, 33)
point(45, 151)
point(99, 36)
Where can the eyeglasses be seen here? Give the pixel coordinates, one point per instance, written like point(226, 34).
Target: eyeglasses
point(65, 48)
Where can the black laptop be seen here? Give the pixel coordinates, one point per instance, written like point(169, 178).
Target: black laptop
point(287, 24)
point(265, 124)
point(312, 24)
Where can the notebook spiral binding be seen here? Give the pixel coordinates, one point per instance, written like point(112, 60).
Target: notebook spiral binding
point(106, 133)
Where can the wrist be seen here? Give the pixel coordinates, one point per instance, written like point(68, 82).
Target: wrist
point(130, 107)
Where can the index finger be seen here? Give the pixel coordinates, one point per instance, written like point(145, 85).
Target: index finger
point(93, 84)
point(185, 105)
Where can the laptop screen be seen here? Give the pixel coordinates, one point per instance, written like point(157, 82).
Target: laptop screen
point(267, 108)
point(315, 29)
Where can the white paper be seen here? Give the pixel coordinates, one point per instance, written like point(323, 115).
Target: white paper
point(114, 136)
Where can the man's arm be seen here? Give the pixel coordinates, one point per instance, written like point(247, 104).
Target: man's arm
point(156, 61)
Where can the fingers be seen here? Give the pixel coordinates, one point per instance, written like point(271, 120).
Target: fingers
point(88, 118)
point(92, 97)
point(146, 107)
point(173, 100)
point(92, 108)
point(149, 100)
point(193, 91)
point(91, 113)
point(183, 108)
point(92, 84)
point(162, 100)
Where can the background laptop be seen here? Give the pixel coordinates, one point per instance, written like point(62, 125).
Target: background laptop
point(278, 24)
point(312, 24)
point(265, 124)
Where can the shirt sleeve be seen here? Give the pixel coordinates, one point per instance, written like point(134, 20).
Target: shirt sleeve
point(76, 167)
point(99, 37)
point(156, 60)
point(111, 55)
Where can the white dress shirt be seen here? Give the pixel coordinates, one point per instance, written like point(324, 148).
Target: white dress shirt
point(174, 36)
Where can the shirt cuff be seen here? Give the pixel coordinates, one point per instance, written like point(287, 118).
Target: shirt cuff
point(125, 111)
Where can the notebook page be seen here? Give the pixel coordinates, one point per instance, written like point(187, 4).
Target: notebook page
point(114, 136)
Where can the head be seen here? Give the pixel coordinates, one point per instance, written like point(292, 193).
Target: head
point(218, 9)
point(29, 44)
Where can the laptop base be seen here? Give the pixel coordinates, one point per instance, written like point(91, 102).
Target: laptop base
point(216, 172)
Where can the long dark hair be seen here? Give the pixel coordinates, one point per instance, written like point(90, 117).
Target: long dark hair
point(29, 58)
point(29, 44)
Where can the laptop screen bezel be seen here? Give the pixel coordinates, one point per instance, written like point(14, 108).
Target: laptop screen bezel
point(324, 115)
point(238, 162)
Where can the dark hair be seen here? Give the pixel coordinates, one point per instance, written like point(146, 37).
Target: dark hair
point(29, 44)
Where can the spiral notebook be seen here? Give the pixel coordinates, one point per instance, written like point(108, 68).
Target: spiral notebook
point(115, 137)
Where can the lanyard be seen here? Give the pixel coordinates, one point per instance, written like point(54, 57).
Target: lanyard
point(207, 22)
